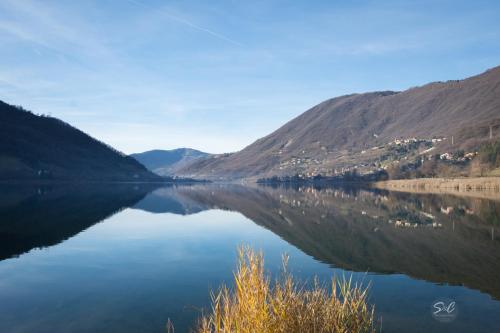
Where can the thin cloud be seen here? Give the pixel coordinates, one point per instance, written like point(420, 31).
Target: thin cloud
point(39, 24)
point(189, 24)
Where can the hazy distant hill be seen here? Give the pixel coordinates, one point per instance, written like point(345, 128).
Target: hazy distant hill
point(41, 147)
point(167, 162)
point(338, 132)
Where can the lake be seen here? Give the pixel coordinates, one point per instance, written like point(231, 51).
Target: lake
point(126, 258)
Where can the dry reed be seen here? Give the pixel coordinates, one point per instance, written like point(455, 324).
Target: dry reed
point(257, 306)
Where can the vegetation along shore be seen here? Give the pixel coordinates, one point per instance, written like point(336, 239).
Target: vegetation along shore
point(487, 187)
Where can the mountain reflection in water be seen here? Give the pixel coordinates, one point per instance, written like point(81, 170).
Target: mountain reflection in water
point(444, 239)
point(169, 256)
point(40, 216)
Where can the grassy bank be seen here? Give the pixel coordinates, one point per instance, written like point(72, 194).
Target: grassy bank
point(481, 187)
point(255, 304)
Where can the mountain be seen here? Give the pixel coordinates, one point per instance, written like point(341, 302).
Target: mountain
point(41, 147)
point(167, 162)
point(356, 129)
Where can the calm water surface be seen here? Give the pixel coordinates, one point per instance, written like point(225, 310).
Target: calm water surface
point(125, 258)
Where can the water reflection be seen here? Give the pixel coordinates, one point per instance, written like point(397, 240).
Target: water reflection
point(40, 216)
point(160, 257)
point(444, 239)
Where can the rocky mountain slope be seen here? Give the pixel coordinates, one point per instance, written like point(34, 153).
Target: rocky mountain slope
point(36, 147)
point(355, 129)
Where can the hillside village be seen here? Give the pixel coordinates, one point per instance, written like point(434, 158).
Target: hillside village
point(401, 155)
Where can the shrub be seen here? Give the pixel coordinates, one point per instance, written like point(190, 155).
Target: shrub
point(256, 305)
point(490, 153)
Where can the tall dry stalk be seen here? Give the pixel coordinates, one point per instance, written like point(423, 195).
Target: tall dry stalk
point(256, 306)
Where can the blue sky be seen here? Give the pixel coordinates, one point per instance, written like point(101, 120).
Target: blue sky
point(216, 75)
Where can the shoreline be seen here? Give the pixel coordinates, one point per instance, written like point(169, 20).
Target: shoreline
point(477, 187)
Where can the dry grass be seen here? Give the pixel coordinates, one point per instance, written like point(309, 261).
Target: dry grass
point(257, 306)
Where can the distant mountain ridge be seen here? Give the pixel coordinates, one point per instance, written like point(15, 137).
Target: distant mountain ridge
point(336, 133)
point(167, 162)
point(36, 147)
